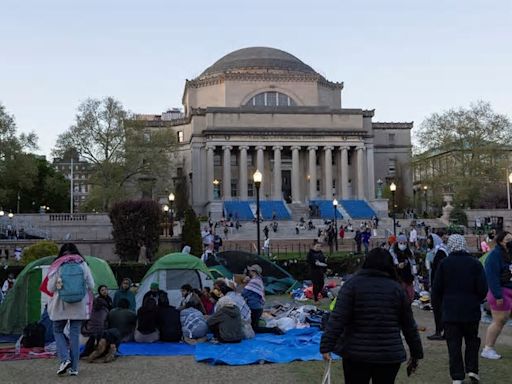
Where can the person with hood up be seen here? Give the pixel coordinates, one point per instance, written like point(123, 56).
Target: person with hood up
point(461, 286)
point(365, 327)
point(403, 259)
point(437, 253)
point(124, 292)
point(226, 323)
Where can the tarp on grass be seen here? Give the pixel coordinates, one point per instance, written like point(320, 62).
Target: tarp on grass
point(294, 345)
point(156, 349)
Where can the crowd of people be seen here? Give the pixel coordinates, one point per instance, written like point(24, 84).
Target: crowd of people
point(102, 323)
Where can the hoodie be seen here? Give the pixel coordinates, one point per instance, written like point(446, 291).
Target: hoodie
point(228, 322)
point(440, 252)
point(125, 294)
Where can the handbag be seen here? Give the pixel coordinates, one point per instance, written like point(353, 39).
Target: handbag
point(327, 373)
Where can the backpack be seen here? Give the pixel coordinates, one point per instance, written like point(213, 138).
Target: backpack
point(73, 283)
point(33, 335)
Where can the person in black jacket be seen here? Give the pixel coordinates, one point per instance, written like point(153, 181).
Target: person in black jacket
point(436, 244)
point(461, 285)
point(168, 321)
point(317, 267)
point(403, 258)
point(364, 328)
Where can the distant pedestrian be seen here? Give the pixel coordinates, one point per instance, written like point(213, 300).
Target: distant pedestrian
point(317, 267)
point(8, 283)
point(358, 239)
point(461, 299)
point(365, 238)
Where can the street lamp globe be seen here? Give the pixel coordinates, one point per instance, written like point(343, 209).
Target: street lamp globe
point(257, 177)
point(392, 187)
point(2, 212)
point(425, 187)
point(11, 215)
point(172, 197)
point(510, 178)
point(216, 182)
point(166, 208)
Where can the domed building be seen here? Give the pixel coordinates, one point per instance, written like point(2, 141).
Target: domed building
point(263, 108)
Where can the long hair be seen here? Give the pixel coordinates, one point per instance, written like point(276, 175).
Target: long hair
point(381, 260)
point(499, 238)
point(68, 249)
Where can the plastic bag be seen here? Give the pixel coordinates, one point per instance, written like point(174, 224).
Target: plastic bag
point(286, 323)
point(327, 373)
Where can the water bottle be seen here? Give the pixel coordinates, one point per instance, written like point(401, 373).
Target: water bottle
point(17, 348)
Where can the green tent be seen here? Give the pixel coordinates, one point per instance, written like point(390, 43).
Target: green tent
point(171, 272)
point(24, 303)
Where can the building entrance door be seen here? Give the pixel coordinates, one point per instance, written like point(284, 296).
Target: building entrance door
point(286, 177)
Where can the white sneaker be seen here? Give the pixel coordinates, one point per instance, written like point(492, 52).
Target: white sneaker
point(490, 353)
point(457, 382)
point(474, 377)
point(63, 367)
point(72, 372)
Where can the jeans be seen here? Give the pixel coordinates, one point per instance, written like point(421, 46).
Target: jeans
point(454, 333)
point(360, 373)
point(68, 350)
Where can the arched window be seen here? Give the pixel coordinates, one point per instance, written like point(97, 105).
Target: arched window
point(271, 99)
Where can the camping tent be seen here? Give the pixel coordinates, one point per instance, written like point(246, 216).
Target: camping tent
point(275, 278)
point(24, 303)
point(171, 272)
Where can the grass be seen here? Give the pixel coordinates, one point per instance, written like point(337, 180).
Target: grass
point(284, 256)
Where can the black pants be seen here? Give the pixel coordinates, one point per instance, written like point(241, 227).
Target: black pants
point(361, 373)
point(255, 319)
point(454, 333)
point(438, 315)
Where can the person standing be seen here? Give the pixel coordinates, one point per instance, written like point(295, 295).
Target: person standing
point(438, 252)
point(8, 283)
point(461, 299)
point(371, 312)
point(498, 272)
point(365, 238)
point(70, 283)
point(317, 267)
point(358, 240)
point(402, 257)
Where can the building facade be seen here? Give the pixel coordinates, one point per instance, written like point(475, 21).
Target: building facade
point(263, 108)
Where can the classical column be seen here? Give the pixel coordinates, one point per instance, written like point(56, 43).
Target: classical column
point(295, 174)
point(360, 172)
point(278, 188)
point(209, 172)
point(344, 172)
point(226, 172)
point(243, 172)
point(260, 166)
point(328, 172)
point(312, 172)
point(371, 171)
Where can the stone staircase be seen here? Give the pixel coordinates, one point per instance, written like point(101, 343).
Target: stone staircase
point(298, 210)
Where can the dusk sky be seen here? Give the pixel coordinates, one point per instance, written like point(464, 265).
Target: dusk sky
point(407, 59)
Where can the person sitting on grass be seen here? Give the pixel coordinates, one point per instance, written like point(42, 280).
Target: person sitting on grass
point(226, 323)
point(190, 299)
point(193, 326)
point(102, 348)
point(98, 322)
point(147, 322)
point(123, 319)
point(169, 323)
point(124, 292)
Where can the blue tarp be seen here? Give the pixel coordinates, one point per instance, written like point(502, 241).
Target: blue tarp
point(297, 344)
point(156, 349)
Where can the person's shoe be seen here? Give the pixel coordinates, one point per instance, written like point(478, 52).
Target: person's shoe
point(72, 372)
point(63, 367)
point(490, 353)
point(457, 382)
point(474, 377)
point(436, 337)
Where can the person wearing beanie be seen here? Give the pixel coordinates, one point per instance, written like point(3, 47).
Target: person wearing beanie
point(155, 292)
point(124, 292)
point(372, 346)
point(404, 260)
point(460, 285)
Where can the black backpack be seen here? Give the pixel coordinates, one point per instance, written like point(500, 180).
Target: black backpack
point(33, 335)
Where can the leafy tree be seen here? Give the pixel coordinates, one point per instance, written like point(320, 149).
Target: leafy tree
point(122, 152)
point(39, 250)
point(135, 223)
point(467, 150)
point(191, 233)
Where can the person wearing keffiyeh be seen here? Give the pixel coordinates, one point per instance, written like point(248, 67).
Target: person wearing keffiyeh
point(254, 295)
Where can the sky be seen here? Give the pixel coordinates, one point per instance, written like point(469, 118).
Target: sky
point(405, 59)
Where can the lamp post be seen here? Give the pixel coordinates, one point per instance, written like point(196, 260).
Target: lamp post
point(172, 197)
point(257, 177)
point(508, 189)
point(425, 190)
point(335, 205)
point(392, 188)
point(166, 222)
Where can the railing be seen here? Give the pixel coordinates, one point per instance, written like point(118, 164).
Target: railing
point(68, 217)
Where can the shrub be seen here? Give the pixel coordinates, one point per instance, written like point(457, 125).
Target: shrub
point(39, 250)
point(135, 223)
point(191, 234)
point(458, 216)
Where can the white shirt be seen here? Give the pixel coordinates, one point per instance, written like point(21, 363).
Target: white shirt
point(413, 236)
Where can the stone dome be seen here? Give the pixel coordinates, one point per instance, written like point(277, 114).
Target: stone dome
point(257, 58)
